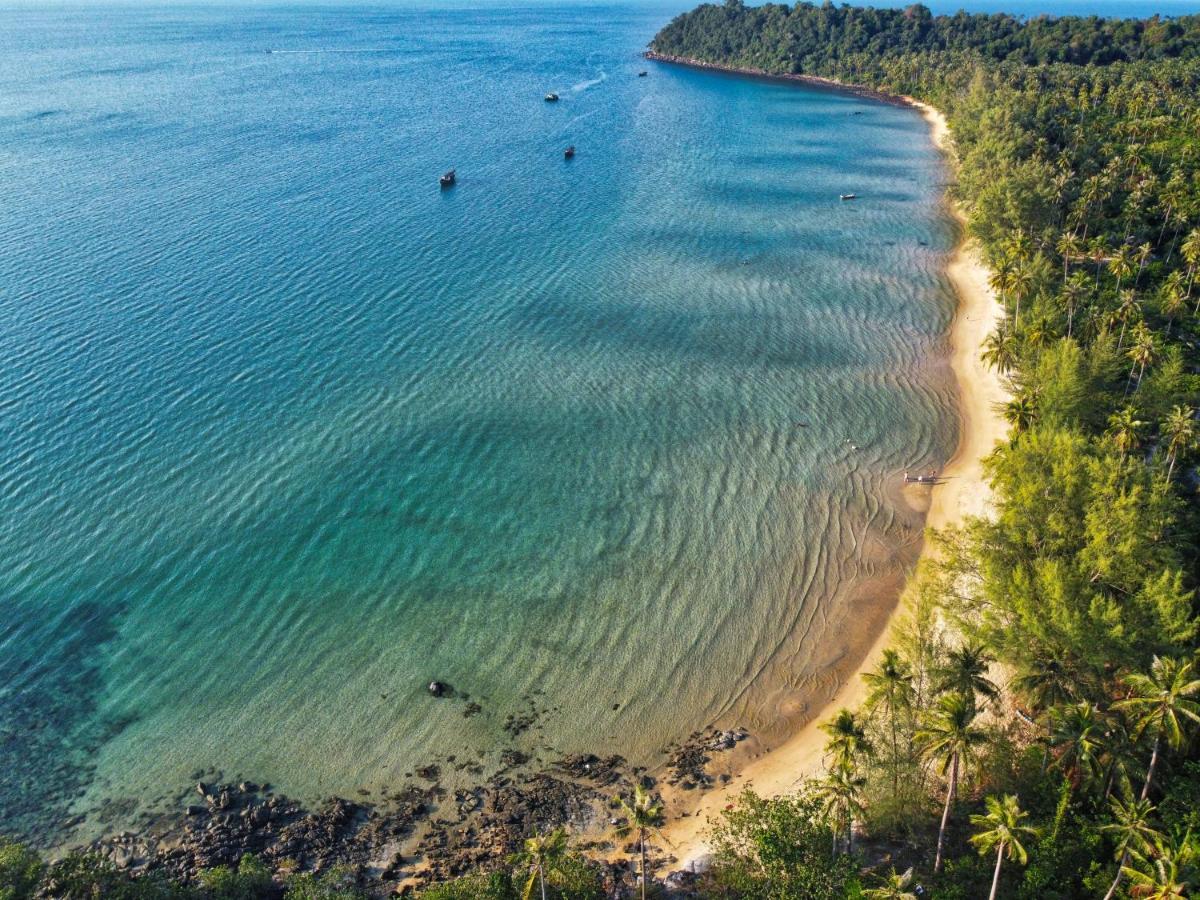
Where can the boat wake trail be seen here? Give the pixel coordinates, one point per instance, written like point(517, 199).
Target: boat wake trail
point(584, 85)
point(338, 50)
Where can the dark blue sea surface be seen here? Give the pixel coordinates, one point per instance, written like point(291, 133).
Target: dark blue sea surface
point(286, 430)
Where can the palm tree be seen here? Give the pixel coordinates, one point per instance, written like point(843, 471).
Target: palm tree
point(1000, 350)
point(1002, 830)
point(1021, 412)
point(949, 737)
point(1074, 290)
point(1172, 302)
point(1040, 333)
point(1142, 351)
point(891, 687)
point(1180, 431)
point(1044, 683)
point(643, 815)
point(847, 738)
point(841, 792)
point(1132, 829)
point(965, 672)
point(1068, 247)
point(1129, 308)
point(1077, 737)
point(1121, 264)
point(1167, 871)
point(1191, 253)
point(1161, 703)
point(1142, 254)
point(1124, 427)
point(894, 887)
point(542, 855)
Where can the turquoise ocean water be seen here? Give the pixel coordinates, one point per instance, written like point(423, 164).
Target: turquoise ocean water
point(286, 431)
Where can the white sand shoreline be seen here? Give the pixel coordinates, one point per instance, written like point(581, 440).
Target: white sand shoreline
point(963, 494)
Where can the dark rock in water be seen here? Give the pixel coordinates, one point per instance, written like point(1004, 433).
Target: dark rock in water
point(440, 689)
point(196, 810)
point(202, 789)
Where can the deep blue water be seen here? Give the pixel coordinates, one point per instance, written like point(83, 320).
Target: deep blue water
point(286, 430)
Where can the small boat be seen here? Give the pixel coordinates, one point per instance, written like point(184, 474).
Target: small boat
point(551, 97)
point(642, 74)
point(930, 478)
point(847, 196)
point(569, 152)
point(447, 180)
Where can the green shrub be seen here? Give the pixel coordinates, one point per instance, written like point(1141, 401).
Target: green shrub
point(20, 871)
point(250, 881)
point(496, 886)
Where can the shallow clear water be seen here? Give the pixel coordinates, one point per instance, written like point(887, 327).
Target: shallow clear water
point(286, 431)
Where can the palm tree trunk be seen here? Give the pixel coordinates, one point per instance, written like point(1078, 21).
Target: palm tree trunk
point(542, 879)
point(1112, 889)
point(1150, 771)
point(642, 845)
point(996, 875)
point(1171, 467)
point(937, 860)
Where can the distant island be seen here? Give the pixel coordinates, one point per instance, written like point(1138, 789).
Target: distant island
point(1029, 726)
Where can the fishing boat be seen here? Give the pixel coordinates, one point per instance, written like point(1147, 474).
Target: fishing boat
point(552, 97)
point(569, 152)
point(642, 74)
point(928, 478)
point(447, 180)
point(848, 196)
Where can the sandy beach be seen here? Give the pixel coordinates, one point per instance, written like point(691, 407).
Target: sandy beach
point(964, 493)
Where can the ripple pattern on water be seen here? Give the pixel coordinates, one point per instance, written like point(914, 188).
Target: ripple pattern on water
point(288, 431)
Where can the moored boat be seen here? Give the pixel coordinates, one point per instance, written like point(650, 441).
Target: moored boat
point(447, 179)
point(569, 152)
point(551, 97)
point(848, 196)
point(642, 74)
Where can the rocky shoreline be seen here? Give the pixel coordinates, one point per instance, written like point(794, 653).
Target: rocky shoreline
point(396, 842)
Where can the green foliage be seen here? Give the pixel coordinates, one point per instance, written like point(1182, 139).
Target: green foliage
point(336, 884)
point(778, 849)
point(249, 881)
point(86, 876)
point(20, 871)
point(480, 886)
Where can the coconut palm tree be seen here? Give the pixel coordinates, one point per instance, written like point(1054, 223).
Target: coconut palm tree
point(542, 855)
point(1120, 266)
point(1045, 683)
point(891, 688)
point(841, 795)
point(1162, 703)
point(1000, 350)
point(895, 886)
point(1021, 412)
point(1191, 254)
point(1165, 870)
point(948, 736)
point(1125, 428)
point(1074, 290)
point(1002, 830)
point(965, 672)
point(1142, 351)
point(1132, 829)
point(1129, 308)
point(1077, 739)
point(1171, 301)
point(1142, 255)
point(643, 814)
point(1068, 247)
point(847, 738)
point(1180, 431)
